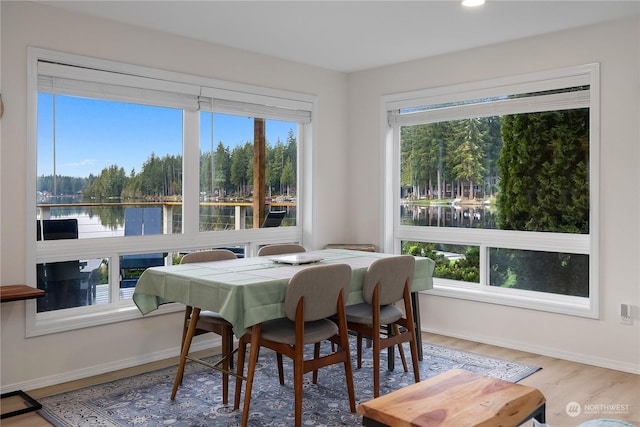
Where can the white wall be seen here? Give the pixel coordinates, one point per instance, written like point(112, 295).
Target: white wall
point(29, 363)
point(347, 128)
point(616, 46)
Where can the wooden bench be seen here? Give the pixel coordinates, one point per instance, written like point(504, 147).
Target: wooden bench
point(456, 398)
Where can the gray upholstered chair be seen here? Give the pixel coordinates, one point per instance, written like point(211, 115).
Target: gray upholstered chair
point(313, 295)
point(387, 281)
point(279, 249)
point(209, 321)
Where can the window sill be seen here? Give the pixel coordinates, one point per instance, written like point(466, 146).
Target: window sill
point(561, 304)
point(72, 319)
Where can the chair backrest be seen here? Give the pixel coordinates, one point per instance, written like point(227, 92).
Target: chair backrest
point(207, 256)
point(280, 249)
point(56, 229)
point(60, 280)
point(391, 273)
point(273, 219)
point(319, 286)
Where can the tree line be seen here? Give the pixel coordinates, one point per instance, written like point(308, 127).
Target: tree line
point(537, 167)
point(223, 172)
point(451, 159)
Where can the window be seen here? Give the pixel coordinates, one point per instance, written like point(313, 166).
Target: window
point(227, 171)
point(497, 182)
point(133, 167)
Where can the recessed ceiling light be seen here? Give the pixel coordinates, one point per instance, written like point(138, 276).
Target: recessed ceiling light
point(472, 3)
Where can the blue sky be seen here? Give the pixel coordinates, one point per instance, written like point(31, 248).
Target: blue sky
point(92, 134)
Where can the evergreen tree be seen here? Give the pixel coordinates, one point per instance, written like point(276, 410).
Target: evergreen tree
point(544, 160)
point(222, 162)
point(468, 156)
point(544, 187)
point(288, 177)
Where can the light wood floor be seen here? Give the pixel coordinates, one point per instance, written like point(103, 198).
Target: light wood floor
point(600, 393)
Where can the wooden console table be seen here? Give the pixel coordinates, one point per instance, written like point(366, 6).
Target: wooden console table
point(18, 293)
point(453, 399)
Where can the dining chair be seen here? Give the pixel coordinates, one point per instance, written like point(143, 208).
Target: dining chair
point(313, 295)
point(208, 321)
point(279, 249)
point(386, 281)
point(273, 219)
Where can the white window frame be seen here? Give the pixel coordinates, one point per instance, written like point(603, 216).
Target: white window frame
point(177, 89)
point(394, 233)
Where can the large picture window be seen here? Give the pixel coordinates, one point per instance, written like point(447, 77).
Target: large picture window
point(134, 167)
point(497, 182)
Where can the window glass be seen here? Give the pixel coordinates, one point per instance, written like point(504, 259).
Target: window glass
point(131, 164)
point(227, 171)
point(527, 172)
point(69, 284)
point(455, 262)
point(132, 266)
point(97, 157)
point(550, 272)
point(496, 185)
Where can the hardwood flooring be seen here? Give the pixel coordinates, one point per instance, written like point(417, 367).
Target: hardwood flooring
point(599, 393)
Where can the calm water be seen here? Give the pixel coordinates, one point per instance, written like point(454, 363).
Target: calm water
point(109, 221)
point(459, 216)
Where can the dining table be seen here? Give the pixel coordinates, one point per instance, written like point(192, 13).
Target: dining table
point(247, 291)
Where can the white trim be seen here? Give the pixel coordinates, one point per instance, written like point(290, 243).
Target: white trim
point(105, 368)
point(394, 233)
point(504, 86)
point(541, 350)
point(561, 304)
point(556, 101)
point(114, 73)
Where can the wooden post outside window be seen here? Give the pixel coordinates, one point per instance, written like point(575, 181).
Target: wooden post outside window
point(259, 187)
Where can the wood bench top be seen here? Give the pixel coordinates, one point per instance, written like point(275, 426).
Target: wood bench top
point(453, 399)
point(19, 292)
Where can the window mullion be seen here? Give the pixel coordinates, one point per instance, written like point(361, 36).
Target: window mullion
point(191, 175)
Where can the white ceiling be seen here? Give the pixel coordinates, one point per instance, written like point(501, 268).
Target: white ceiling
point(354, 35)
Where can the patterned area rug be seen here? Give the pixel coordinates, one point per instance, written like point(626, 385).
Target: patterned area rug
point(143, 400)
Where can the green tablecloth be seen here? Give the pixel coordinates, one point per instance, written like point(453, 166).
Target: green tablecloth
point(246, 291)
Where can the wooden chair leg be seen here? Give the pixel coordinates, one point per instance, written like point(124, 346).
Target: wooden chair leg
point(242, 349)
point(414, 359)
point(316, 355)
point(396, 331)
point(344, 347)
point(359, 349)
point(253, 359)
point(186, 344)
point(226, 350)
point(185, 324)
point(229, 334)
point(410, 326)
point(280, 368)
point(376, 365)
point(298, 363)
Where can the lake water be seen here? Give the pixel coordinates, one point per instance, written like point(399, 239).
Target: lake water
point(460, 216)
point(109, 221)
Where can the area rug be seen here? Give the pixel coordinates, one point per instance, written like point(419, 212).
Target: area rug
point(143, 400)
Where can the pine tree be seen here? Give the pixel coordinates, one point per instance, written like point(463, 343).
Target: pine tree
point(544, 187)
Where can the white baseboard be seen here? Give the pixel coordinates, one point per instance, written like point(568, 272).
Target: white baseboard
point(214, 343)
point(544, 351)
point(108, 367)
